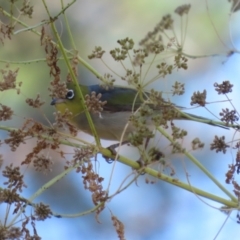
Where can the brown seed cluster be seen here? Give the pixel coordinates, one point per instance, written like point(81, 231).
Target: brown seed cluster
point(199, 98)
point(25, 228)
point(91, 179)
point(197, 144)
point(42, 163)
point(80, 156)
point(48, 138)
point(183, 9)
point(233, 169)
point(57, 88)
point(224, 88)
point(35, 103)
point(120, 54)
point(5, 113)
point(178, 133)
point(33, 129)
point(96, 53)
point(26, 9)
point(178, 88)
point(42, 211)
point(15, 178)
point(16, 137)
point(10, 232)
point(140, 55)
point(119, 227)
point(62, 121)
point(167, 114)
point(51, 51)
point(229, 117)
point(93, 102)
point(236, 189)
point(142, 131)
point(9, 196)
point(155, 154)
point(9, 79)
point(131, 77)
point(181, 62)
point(41, 145)
point(93, 182)
point(219, 144)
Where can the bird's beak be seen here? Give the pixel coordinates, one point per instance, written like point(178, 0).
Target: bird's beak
point(56, 101)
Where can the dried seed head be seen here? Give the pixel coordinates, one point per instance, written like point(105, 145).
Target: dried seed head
point(199, 98)
point(5, 113)
point(96, 53)
point(42, 211)
point(228, 116)
point(184, 9)
point(35, 103)
point(9, 79)
point(224, 88)
point(219, 144)
point(42, 163)
point(93, 102)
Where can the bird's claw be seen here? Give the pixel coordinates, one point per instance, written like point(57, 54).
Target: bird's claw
point(113, 152)
point(112, 148)
point(141, 166)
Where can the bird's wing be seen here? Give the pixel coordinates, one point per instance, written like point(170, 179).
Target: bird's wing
point(118, 98)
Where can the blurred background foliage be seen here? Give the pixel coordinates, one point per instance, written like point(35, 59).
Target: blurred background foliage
point(158, 211)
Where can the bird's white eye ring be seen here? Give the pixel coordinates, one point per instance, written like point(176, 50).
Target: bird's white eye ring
point(70, 94)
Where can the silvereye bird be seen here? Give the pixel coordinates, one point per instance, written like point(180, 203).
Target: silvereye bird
point(110, 122)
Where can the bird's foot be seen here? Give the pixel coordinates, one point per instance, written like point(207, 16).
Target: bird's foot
point(112, 149)
point(142, 165)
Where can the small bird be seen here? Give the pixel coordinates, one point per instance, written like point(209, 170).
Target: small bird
point(119, 104)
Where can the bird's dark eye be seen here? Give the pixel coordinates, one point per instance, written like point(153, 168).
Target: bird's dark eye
point(70, 94)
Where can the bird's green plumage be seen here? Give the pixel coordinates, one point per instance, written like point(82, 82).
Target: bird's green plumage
point(111, 122)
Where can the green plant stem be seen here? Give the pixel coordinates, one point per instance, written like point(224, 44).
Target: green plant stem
point(82, 102)
point(135, 165)
point(80, 214)
point(174, 181)
point(44, 188)
point(68, 27)
point(198, 164)
point(81, 60)
point(106, 152)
